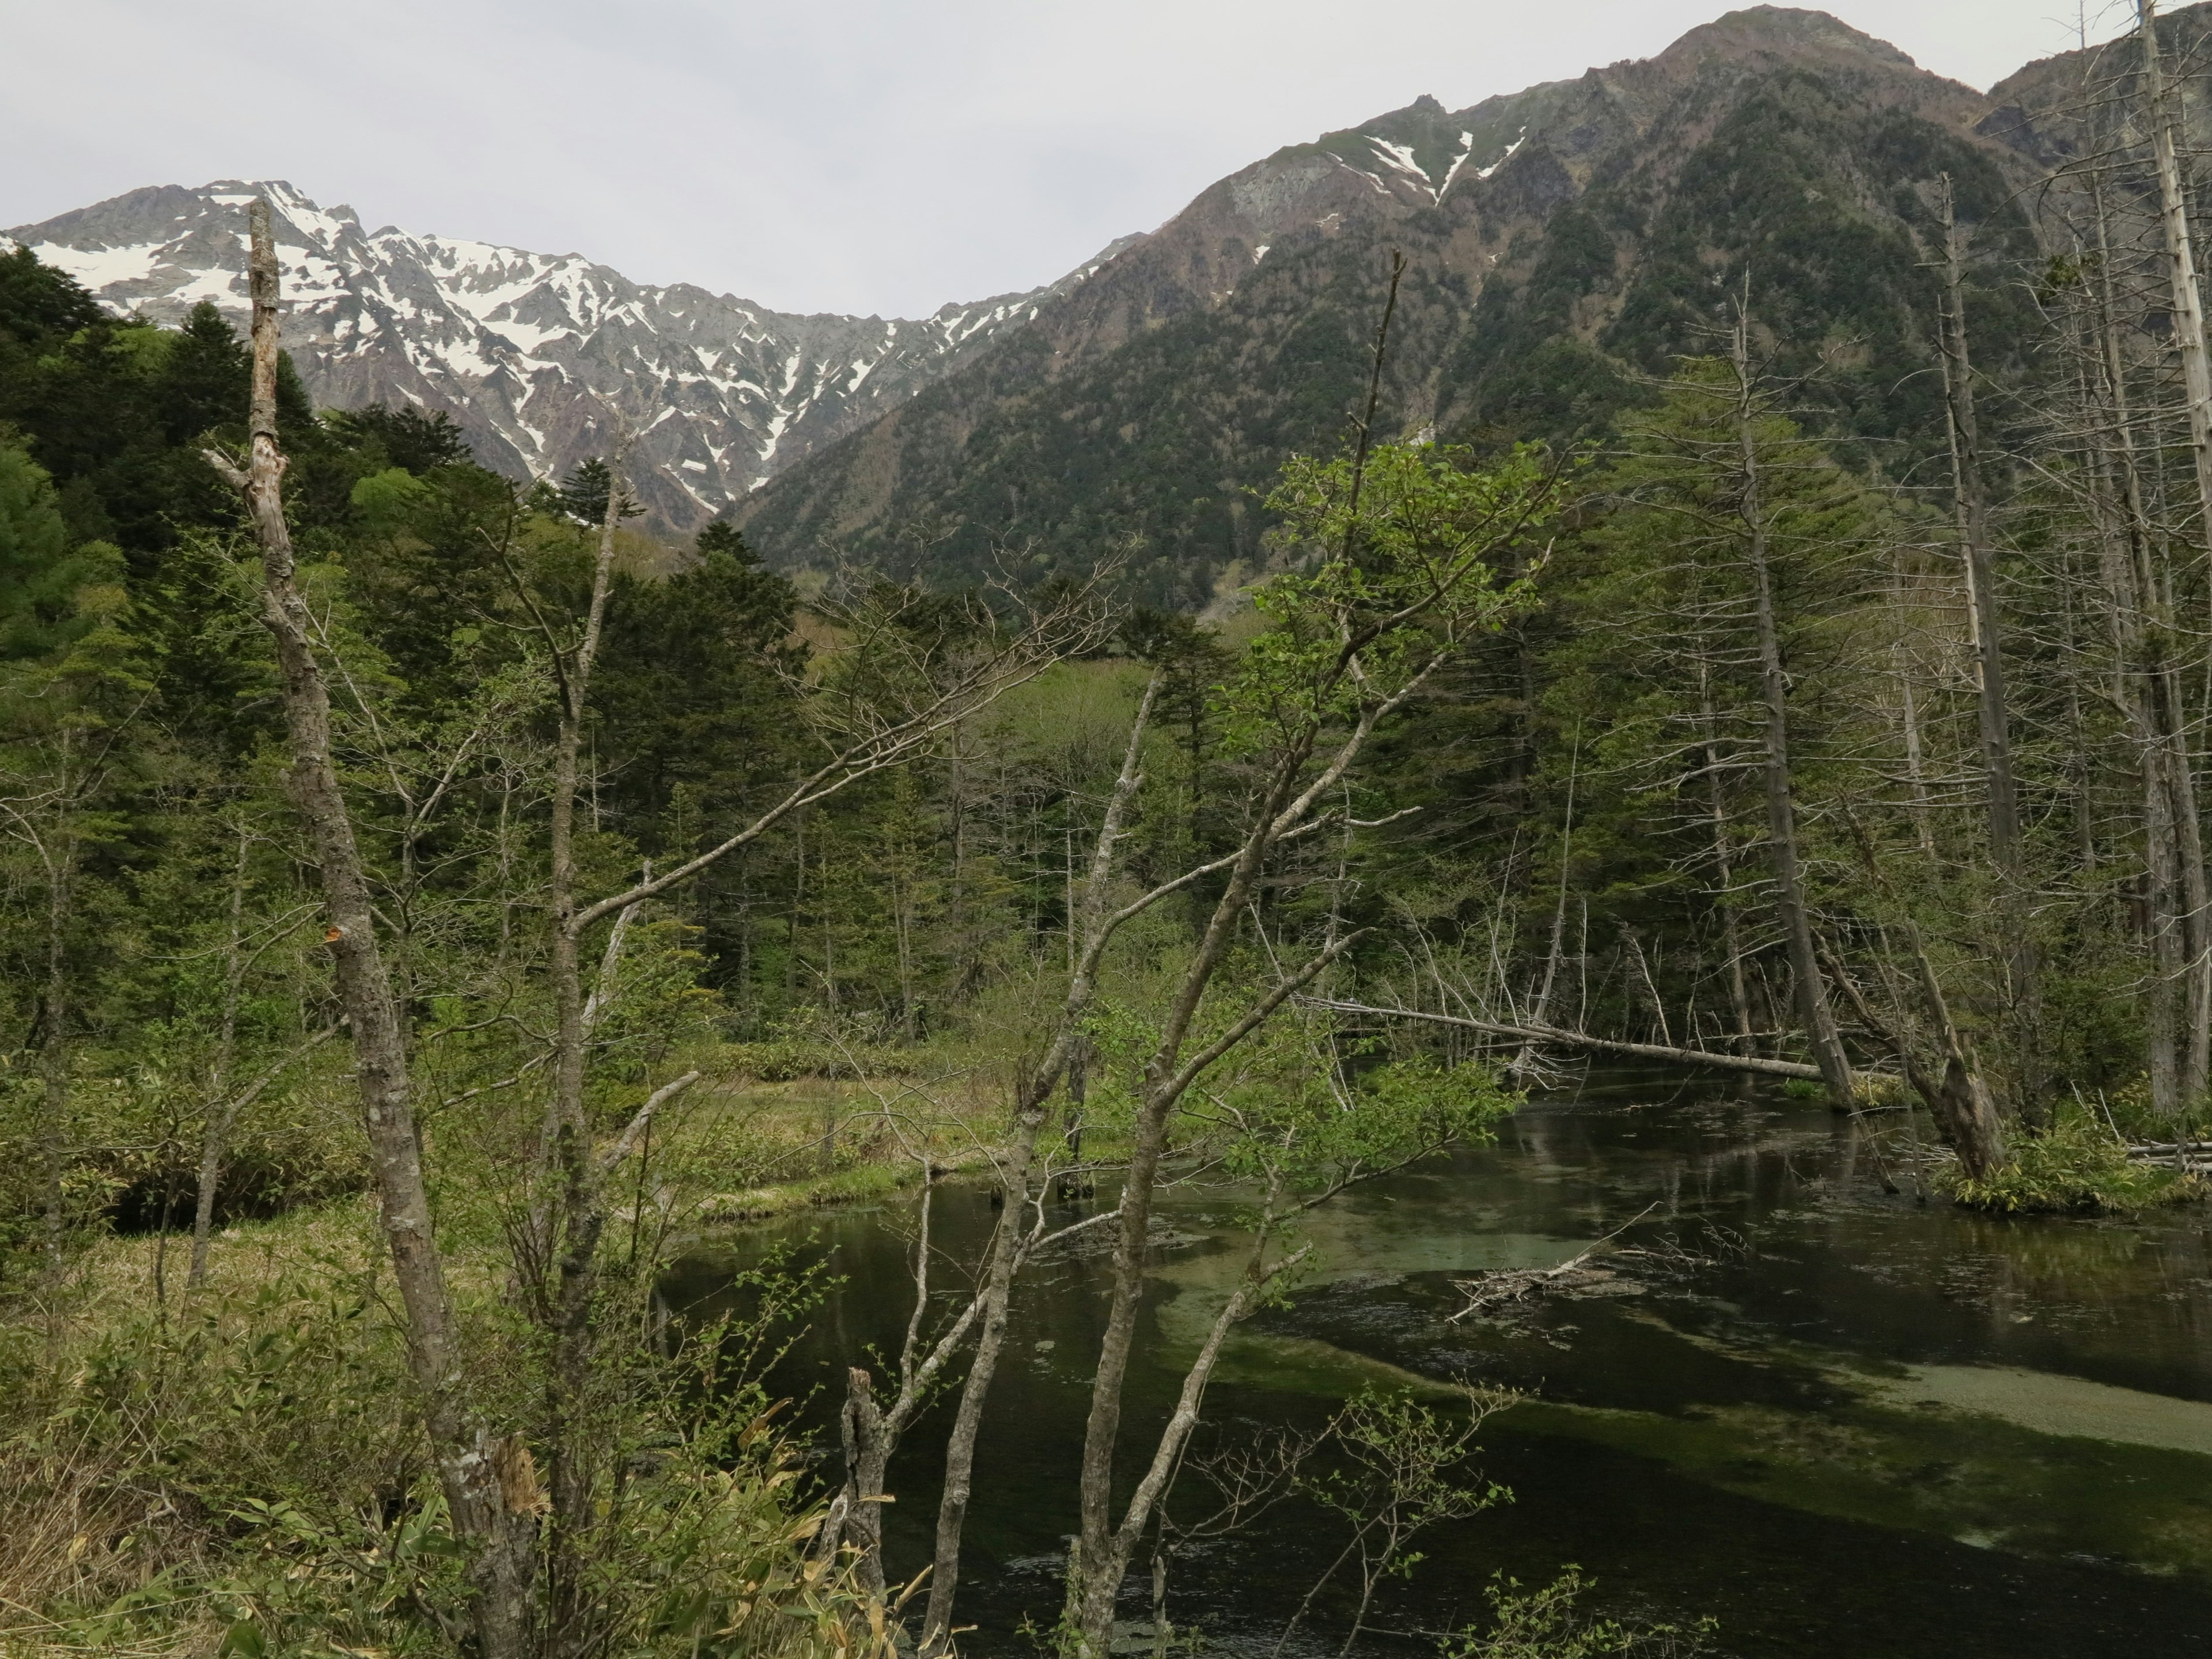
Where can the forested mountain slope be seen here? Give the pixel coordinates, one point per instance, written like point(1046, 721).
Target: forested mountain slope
point(530, 353)
point(1563, 244)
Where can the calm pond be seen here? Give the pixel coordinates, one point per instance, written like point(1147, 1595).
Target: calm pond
point(1877, 1427)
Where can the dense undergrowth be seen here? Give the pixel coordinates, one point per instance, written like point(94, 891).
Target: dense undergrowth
point(2080, 1163)
point(241, 1468)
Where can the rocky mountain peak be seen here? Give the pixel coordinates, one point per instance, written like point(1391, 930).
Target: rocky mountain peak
point(537, 356)
point(1789, 29)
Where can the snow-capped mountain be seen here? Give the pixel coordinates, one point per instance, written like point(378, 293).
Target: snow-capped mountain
point(530, 353)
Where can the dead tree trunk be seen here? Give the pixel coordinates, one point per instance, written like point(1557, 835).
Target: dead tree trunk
point(2188, 328)
point(1964, 1113)
point(2180, 260)
point(867, 1452)
point(480, 1474)
point(2145, 686)
point(54, 1053)
point(1819, 1022)
point(1723, 863)
point(1526, 1059)
point(1757, 1065)
point(573, 1255)
point(1970, 499)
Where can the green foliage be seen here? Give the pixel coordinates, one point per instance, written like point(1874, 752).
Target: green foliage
point(1401, 1465)
point(39, 303)
point(583, 494)
point(1390, 1469)
point(213, 1472)
point(37, 580)
point(695, 693)
point(1403, 535)
point(1549, 1623)
point(410, 439)
point(2078, 1163)
point(1301, 1124)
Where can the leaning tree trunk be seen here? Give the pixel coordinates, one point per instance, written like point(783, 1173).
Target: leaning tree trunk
point(489, 1485)
point(968, 1417)
point(1958, 1099)
point(1820, 1022)
point(1970, 497)
point(1100, 1559)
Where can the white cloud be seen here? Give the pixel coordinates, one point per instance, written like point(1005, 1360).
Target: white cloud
point(861, 156)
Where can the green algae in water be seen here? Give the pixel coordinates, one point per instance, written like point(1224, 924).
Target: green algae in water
point(2037, 1463)
point(1886, 1429)
point(2034, 1463)
point(2056, 1404)
point(1964, 1475)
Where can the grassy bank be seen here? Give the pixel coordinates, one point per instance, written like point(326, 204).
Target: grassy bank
point(238, 1469)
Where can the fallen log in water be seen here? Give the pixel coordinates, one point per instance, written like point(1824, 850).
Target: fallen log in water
point(1755, 1063)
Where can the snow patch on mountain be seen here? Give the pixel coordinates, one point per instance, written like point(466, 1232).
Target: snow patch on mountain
point(1484, 172)
point(537, 356)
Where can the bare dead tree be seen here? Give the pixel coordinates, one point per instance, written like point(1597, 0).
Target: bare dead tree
point(489, 1481)
point(1970, 500)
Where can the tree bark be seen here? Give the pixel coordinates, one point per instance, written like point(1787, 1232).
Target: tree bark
point(1724, 868)
point(470, 1460)
point(2188, 327)
point(1964, 1112)
point(1526, 1058)
point(1970, 499)
point(1096, 1575)
point(1820, 1032)
point(1103, 1551)
point(2140, 628)
point(570, 1450)
point(868, 1453)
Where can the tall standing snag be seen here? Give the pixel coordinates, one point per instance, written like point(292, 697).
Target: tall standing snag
point(2188, 328)
point(1820, 1032)
point(470, 1458)
point(1970, 496)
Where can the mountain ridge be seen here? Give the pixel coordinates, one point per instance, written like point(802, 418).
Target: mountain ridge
point(1235, 331)
point(534, 356)
point(1561, 237)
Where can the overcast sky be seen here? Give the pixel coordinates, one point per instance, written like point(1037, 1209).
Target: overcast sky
point(858, 156)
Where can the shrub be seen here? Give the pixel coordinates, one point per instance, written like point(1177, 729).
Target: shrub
point(1550, 1624)
point(2078, 1163)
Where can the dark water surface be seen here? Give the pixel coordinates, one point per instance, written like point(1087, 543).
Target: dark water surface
point(1878, 1428)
